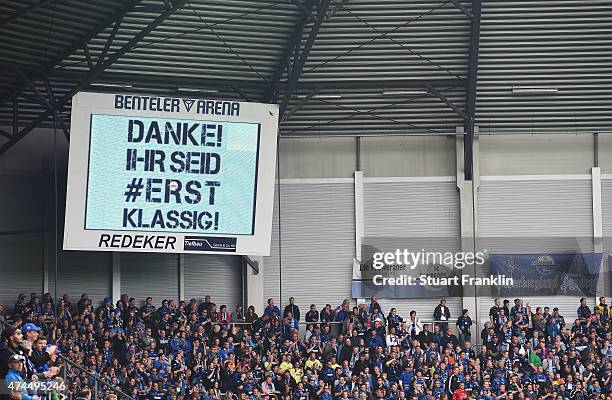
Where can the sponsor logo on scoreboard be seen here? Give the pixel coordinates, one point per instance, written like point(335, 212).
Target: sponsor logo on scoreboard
point(210, 243)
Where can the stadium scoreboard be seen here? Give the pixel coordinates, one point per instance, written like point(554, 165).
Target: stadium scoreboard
point(168, 174)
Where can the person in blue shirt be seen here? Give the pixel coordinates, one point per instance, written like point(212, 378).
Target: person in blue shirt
point(13, 380)
point(464, 324)
point(373, 341)
point(271, 308)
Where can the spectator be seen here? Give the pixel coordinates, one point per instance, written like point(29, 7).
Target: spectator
point(442, 313)
point(414, 325)
point(251, 316)
point(180, 353)
point(584, 312)
point(83, 303)
point(394, 320)
point(312, 315)
point(237, 315)
point(271, 309)
point(464, 325)
point(374, 303)
point(292, 308)
point(2, 319)
point(14, 381)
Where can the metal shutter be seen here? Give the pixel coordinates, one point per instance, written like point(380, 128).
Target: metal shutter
point(318, 244)
point(22, 202)
point(21, 263)
point(217, 276)
point(557, 210)
point(427, 208)
point(82, 272)
point(148, 274)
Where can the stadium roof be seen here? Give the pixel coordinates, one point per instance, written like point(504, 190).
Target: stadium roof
point(337, 67)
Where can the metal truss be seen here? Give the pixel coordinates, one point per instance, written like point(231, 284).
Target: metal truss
point(291, 52)
point(55, 107)
point(299, 62)
point(433, 87)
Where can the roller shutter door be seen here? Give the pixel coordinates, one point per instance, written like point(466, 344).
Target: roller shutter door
point(318, 244)
point(149, 274)
point(21, 263)
point(421, 209)
point(214, 275)
point(558, 212)
point(83, 272)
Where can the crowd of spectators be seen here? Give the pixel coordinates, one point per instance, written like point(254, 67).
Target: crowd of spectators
point(199, 350)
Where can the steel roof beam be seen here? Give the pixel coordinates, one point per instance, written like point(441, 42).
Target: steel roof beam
point(463, 8)
point(285, 62)
point(445, 100)
point(25, 10)
point(335, 7)
point(298, 63)
point(48, 67)
point(301, 104)
point(470, 93)
point(304, 9)
point(92, 75)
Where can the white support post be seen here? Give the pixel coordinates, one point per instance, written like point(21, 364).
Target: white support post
point(116, 279)
point(359, 218)
point(254, 284)
point(598, 227)
point(468, 210)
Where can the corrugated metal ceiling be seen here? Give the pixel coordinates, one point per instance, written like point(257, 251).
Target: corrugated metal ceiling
point(233, 49)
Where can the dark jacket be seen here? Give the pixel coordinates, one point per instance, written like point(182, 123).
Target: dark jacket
point(293, 309)
point(438, 313)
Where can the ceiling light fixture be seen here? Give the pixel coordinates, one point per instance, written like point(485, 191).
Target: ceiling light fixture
point(115, 85)
point(192, 90)
point(321, 96)
point(403, 92)
point(534, 89)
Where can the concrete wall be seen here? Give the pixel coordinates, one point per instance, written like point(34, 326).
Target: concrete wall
point(336, 157)
point(537, 154)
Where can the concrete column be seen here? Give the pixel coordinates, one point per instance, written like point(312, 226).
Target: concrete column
point(598, 227)
point(468, 210)
point(254, 285)
point(116, 279)
point(359, 219)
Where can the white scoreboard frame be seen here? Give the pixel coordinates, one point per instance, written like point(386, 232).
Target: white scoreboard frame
point(76, 237)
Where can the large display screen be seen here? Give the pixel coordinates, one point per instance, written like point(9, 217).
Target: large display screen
point(171, 175)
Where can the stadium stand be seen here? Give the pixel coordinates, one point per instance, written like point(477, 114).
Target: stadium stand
point(194, 350)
